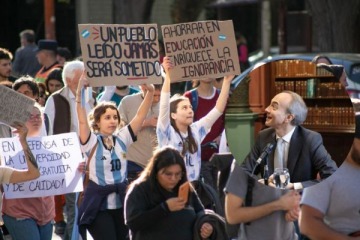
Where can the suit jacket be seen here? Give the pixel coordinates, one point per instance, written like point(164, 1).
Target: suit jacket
point(307, 156)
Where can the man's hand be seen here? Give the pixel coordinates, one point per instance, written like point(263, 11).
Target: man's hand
point(292, 215)
point(290, 200)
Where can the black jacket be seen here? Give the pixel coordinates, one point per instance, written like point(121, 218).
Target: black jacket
point(217, 222)
point(149, 218)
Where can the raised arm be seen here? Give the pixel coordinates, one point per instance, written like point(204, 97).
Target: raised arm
point(32, 172)
point(84, 129)
point(137, 122)
point(224, 94)
point(168, 65)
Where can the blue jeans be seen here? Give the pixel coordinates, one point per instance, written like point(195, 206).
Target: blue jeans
point(70, 212)
point(27, 229)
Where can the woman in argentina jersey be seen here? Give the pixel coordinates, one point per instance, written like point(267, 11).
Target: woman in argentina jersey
point(175, 125)
point(101, 211)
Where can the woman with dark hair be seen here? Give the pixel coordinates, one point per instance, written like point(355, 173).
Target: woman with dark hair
point(153, 209)
point(54, 81)
point(101, 211)
point(42, 94)
point(176, 126)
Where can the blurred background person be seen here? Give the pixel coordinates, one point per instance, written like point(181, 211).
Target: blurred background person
point(25, 62)
point(242, 51)
point(42, 94)
point(46, 56)
point(115, 93)
point(63, 55)
point(140, 152)
point(5, 65)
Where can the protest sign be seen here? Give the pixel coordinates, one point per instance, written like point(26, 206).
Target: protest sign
point(14, 106)
point(205, 49)
point(117, 54)
point(58, 157)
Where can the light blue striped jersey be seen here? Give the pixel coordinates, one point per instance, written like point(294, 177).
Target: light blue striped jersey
point(109, 166)
point(167, 135)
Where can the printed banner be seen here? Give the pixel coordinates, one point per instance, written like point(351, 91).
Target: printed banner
point(119, 55)
point(199, 50)
point(58, 157)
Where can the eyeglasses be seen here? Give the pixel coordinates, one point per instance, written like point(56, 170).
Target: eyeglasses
point(177, 175)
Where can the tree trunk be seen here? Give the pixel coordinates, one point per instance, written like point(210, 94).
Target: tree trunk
point(336, 24)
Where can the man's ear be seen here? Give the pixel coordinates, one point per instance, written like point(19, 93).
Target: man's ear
point(290, 117)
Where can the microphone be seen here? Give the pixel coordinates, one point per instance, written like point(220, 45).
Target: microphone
point(266, 151)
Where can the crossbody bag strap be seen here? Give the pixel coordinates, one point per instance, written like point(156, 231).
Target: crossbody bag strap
point(86, 180)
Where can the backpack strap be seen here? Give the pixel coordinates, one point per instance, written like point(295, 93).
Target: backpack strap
point(86, 179)
point(249, 193)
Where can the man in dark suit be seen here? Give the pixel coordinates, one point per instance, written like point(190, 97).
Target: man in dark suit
point(302, 153)
point(305, 155)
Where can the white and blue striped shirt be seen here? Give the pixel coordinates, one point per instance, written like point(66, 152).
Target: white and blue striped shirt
point(167, 135)
point(109, 166)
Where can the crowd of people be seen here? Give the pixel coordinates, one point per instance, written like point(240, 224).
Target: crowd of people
point(141, 143)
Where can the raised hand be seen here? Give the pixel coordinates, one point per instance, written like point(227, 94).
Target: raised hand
point(228, 78)
point(148, 87)
point(21, 129)
point(167, 64)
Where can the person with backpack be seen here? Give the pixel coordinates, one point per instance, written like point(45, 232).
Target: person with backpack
point(203, 99)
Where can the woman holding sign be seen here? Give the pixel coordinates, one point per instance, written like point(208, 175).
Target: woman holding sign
point(12, 175)
point(176, 126)
point(101, 211)
point(32, 215)
point(153, 208)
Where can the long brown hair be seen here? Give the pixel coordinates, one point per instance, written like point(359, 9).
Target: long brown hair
point(192, 145)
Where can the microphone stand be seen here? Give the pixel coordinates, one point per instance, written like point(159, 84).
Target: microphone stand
point(266, 171)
